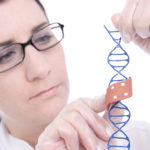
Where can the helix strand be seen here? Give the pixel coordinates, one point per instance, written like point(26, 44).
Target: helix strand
point(118, 59)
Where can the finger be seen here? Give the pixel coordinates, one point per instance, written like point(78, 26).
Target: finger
point(96, 123)
point(82, 147)
point(59, 135)
point(124, 20)
point(141, 19)
point(116, 20)
point(97, 104)
point(102, 145)
point(49, 146)
point(70, 136)
point(115, 111)
point(86, 135)
point(142, 43)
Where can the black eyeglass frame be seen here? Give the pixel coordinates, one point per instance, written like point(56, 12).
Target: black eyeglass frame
point(29, 42)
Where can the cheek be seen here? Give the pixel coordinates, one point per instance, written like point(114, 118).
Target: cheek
point(12, 92)
point(58, 64)
point(60, 72)
point(10, 86)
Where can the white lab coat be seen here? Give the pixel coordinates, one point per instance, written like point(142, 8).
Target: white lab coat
point(8, 142)
point(138, 132)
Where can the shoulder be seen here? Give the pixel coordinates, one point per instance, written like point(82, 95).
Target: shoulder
point(9, 142)
point(2, 145)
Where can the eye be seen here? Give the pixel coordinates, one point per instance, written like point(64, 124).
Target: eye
point(7, 56)
point(43, 39)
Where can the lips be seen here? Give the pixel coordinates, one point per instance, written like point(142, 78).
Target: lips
point(48, 92)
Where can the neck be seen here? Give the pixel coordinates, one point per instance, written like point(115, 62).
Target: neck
point(30, 134)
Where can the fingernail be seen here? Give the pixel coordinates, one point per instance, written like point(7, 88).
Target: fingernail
point(126, 38)
point(109, 131)
point(97, 97)
point(102, 97)
point(98, 148)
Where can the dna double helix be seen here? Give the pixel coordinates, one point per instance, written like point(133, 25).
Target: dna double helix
point(118, 59)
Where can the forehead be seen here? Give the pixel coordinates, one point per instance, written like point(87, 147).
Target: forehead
point(18, 17)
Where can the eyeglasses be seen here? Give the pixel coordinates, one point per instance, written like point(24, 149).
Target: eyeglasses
point(43, 39)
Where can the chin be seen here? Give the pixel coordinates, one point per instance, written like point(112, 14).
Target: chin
point(45, 111)
point(50, 110)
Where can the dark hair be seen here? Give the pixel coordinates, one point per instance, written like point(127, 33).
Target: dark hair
point(41, 5)
point(38, 2)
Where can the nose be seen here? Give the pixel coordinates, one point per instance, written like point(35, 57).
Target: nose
point(36, 64)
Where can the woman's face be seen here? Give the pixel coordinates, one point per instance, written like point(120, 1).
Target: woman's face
point(39, 71)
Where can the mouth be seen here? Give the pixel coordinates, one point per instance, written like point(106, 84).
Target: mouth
point(48, 93)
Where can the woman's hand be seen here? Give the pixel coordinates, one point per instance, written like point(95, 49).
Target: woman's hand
point(77, 127)
point(134, 23)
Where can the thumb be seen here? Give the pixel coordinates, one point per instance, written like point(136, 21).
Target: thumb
point(115, 19)
point(97, 104)
point(114, 111)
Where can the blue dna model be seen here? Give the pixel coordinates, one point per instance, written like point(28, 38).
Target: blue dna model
point(118, 59)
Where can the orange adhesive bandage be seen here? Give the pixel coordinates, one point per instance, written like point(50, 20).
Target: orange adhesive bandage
point(119, 91)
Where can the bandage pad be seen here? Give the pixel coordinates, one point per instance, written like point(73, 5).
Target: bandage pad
point(119, 91)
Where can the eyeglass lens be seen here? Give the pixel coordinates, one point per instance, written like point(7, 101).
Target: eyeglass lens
point(43, 39)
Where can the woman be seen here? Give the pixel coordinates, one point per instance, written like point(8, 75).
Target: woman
point(34, 85)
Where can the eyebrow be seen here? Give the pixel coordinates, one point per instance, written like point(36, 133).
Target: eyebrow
point(34, 29)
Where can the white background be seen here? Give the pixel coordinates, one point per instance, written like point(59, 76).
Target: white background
point(87, 45)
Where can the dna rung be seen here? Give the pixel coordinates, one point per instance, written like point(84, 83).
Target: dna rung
point(118, 59)
point(120, 139)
